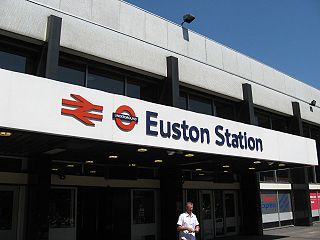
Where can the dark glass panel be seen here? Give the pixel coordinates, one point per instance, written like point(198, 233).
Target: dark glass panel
point(263, 120)
point(143, 207)
point(133, 90)
point(107, 82)
point(200, 105)
point(183, 104)
point(224, 110)
point(13, 62)
point(71, 74)
point(283, 176)
point(279, 124)
point(267, 176)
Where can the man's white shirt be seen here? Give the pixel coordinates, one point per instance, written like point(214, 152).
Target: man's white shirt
point(186, 220)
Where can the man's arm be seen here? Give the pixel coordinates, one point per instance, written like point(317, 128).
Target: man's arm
point(182, 228)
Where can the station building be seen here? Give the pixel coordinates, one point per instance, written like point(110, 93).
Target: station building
point(112, 118)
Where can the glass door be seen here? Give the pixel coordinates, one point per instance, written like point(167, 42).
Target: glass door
point(206, 215)
point(62, 214)
point(231, 212)
point(226, 212)
point(219, 213)
point(9, 208)
point(144, 215)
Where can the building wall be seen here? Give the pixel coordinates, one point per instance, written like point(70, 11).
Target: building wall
point(124, 34)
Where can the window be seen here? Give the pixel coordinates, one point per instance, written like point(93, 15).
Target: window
point(224, 110)
point(263, 121)
point(133, 89)
point(71, 74)
point(271, 121)
point(13, 62)
point(200, 105)
point(283, 175)
point(107, 82)
point(18, 56)
point(207, 104)
point(183, 104)
point(267, 176)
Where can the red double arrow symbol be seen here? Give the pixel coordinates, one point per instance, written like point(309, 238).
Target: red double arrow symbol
point(82, 110)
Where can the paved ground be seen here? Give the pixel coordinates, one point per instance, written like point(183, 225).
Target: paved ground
point(288, 233)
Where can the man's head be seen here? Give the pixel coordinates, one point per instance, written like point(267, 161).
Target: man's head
point(189, 207)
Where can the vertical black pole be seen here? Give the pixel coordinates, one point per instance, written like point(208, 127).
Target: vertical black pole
point(170, 89)
point(299, 178)
point(39, 181)
point(249, 181)
point(170, 173)
point(53, 41)
point(49, 59)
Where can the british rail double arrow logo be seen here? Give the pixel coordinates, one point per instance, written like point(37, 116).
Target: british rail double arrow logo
point(82, 109)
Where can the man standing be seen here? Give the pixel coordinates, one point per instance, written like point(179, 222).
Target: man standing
point(188, 224)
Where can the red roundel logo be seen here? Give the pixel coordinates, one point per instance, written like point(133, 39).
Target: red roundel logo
point(125, 118)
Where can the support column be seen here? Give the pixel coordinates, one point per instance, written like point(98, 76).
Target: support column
point(170, 90)
point(246, 114)
point(170, 173)
point(249, 181)
point(171, 200)
point(299, 178)
point(39, 182)
point(48, 66)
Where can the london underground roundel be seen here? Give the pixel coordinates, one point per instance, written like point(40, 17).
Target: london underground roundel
point(125, 118)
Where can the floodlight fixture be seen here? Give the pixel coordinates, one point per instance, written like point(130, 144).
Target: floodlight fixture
point(188, 18)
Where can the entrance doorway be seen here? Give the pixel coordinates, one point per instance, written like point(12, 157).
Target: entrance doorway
point(226, 212)
point(144, 222)
point(62, 213)
point(217, 211)
point(9, 208)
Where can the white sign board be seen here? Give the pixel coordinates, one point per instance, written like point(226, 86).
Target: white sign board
point(38, 104)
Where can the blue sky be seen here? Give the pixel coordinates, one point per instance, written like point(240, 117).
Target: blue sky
point(284, 34)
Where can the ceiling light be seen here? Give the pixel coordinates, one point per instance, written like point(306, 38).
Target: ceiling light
point(251, 168)
point(158, 161)
point(257, 162)
point(113, 156)
point(199, 169)
point(5, 134)
point(201, 174)
point(142, 150)
point(93, 171)
point(189, 155)
point(281, 165)
point(225, 171)
point(132, 165)
point(226, 166)
point(70, 165)
point(88, 162)
point(55, 169)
